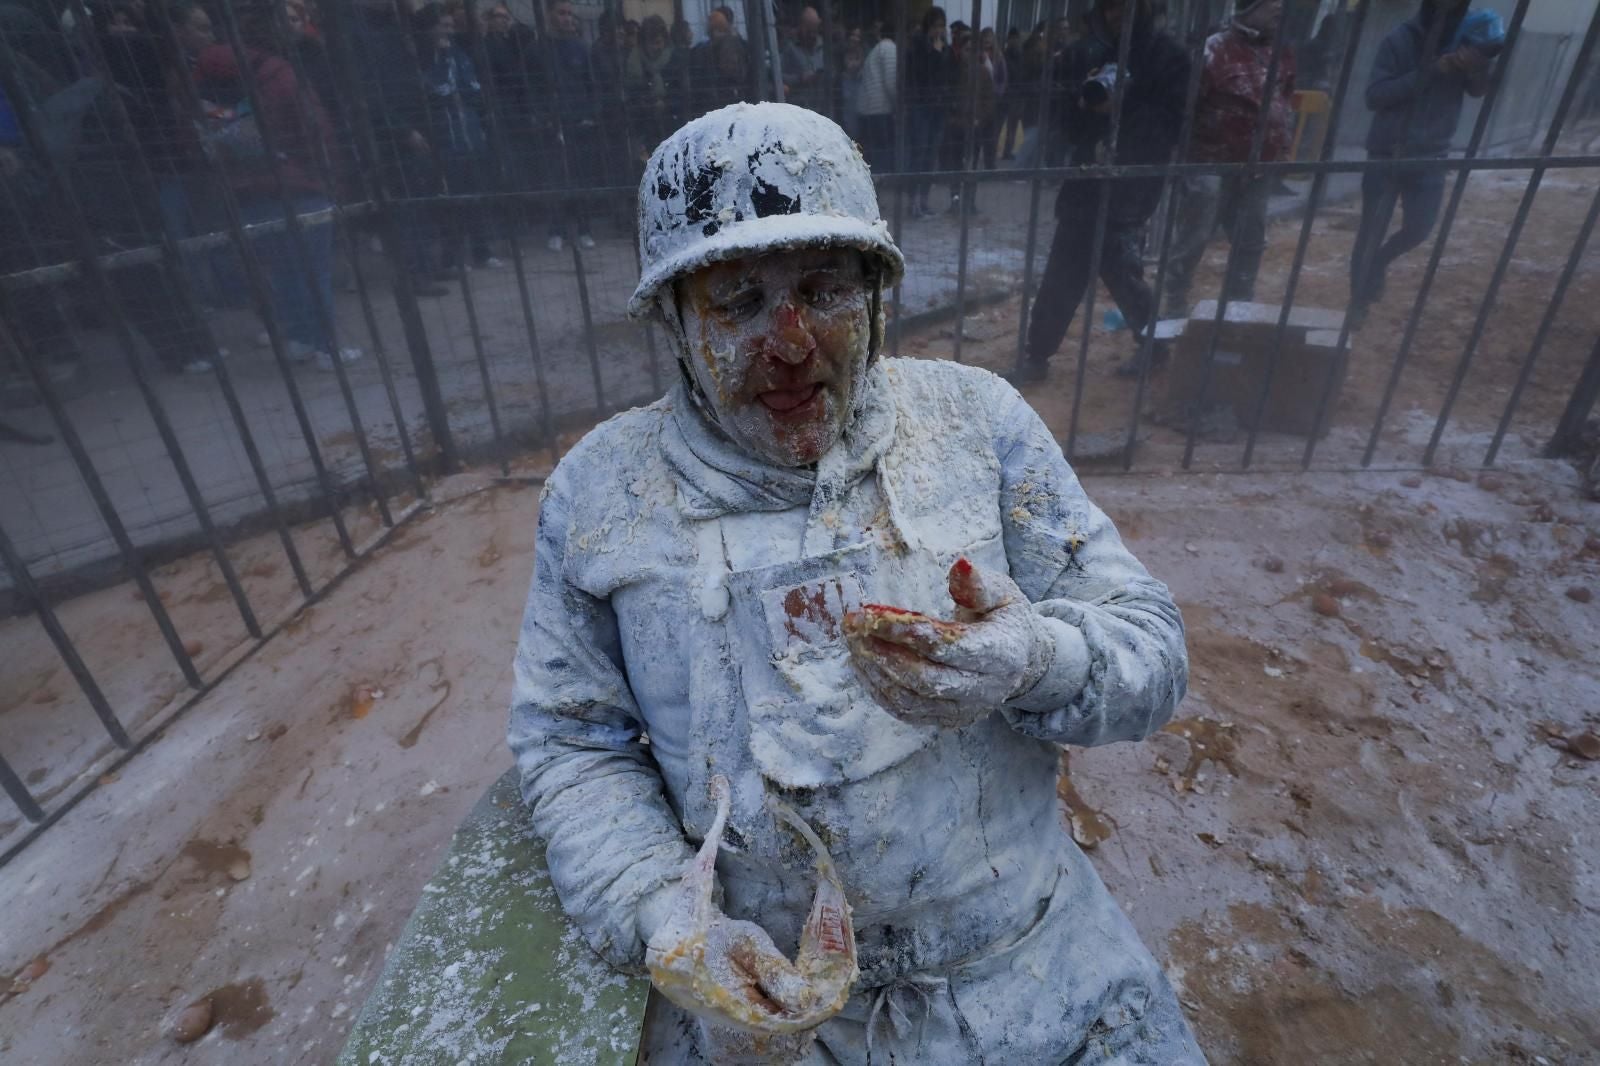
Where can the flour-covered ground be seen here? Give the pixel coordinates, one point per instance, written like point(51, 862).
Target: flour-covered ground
point(1360, 842)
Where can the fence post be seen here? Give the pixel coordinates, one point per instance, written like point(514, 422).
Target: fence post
point(1584, 395)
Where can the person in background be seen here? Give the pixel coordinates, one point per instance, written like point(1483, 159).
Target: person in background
point(654, 73)
point(1010, 112)
point(805, 65)
point(719, 66)
point(630, 35)
point(455, 127)
point(124, 210)
point(1028, 91)
point(573, 97)
point(971, 110)
point(989, 130)
point(34, 211)
point(516, 77)
point(1154, 91)
point(875, 105)
point(1419, 78)
point(850, 89)
point(397, 107)
point(300, 272)
point(608, 60)
point(929, 76)
point(1233, 86)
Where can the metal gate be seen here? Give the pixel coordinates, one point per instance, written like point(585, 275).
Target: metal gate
point(251, 307)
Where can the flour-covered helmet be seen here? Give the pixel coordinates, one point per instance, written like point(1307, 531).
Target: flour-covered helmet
point(753, 178)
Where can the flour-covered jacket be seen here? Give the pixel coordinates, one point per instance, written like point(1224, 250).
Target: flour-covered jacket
point(684, 622)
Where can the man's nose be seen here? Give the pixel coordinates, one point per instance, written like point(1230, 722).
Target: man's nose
point(789, 339)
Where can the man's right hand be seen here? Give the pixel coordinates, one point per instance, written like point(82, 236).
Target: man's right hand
point(749, 974)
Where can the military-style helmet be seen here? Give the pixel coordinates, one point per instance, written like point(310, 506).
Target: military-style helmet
point(754, 178)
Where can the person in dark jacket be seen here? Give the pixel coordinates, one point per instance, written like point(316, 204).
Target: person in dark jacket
point(124, 210)
point(1419, 80)
point(455, 128)
point(931, 83)
point(1155, 85)
point(397, 107)
point(517, 77)
point(576, 123)
point(719, 66)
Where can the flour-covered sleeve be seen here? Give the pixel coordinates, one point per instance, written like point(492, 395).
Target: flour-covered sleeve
point(1120, 664)
point(594, 792)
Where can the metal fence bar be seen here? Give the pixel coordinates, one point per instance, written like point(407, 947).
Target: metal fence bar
point(1146, 350)
point(1363, 259)
point(458, 238)
point(1486, 307)
point(24, 584)
point(345, 231)
point(969, 162)
point(1446, 223)
point(1036, 185)
point(27, 116)
point(1546, 321)
point(297, 235)
point(260, 291)
point(901, 113)
point(1098, 243)
point(498, 144)
point(19, 792)
point(324, 307)
point(1585, 393)
point(1257, 140)
point(1319, 184)
point(347, 65)
point(102, 500)
point(225, 384)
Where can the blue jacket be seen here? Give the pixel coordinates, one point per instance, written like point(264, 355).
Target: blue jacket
point(1400, 75)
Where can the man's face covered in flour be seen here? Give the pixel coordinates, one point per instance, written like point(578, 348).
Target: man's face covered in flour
point(778, 345)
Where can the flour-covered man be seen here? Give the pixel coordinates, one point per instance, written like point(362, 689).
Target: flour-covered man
point(825, 617)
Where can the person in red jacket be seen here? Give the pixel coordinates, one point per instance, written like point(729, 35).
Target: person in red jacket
point(1232, 85)
point(286, 117)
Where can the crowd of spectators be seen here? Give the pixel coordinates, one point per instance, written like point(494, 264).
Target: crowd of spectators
point(167, 117)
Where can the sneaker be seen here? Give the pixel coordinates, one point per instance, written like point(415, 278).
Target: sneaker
point(491, 262)
point(1031, 372)
point(325, 361)
point(298, 352)
point(585, 242)
point(554, 243)
point(197, 366)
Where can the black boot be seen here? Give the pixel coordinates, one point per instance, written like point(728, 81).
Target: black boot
point(1138, 364)
point(1030, 371)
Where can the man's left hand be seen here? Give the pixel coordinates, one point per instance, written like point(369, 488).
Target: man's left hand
point(929, 672)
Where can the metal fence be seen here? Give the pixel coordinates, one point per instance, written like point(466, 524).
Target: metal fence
point(482, 246)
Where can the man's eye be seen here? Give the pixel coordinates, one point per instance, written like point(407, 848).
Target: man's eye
point(821, 294)
point(741, 305)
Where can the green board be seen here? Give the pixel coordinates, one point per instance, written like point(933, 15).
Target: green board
point(489, 969)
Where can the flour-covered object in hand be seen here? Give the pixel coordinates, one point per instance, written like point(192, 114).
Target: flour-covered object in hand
point(931, 672)
point(729, 972)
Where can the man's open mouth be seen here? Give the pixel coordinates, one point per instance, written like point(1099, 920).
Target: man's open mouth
point(783, 400)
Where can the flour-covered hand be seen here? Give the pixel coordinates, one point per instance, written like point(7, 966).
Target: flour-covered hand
point(930, 672)
point(729, 972)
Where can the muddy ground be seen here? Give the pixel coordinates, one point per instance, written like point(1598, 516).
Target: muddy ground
point(1363, 840)
point(1445, 328)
